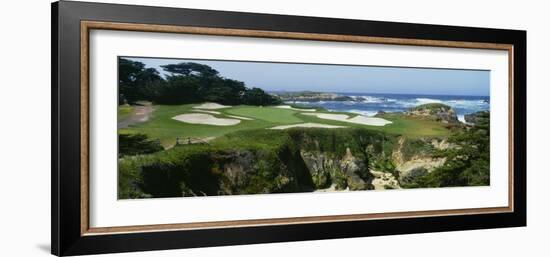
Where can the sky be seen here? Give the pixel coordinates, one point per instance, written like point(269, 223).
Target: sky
point(344, 78)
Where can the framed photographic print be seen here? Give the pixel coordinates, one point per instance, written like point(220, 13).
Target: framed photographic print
point(177, 128)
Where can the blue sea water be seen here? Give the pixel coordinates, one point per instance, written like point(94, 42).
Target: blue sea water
point(373, 103)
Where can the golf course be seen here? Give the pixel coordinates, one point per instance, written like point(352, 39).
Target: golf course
point(193, 132)
point(161, 124)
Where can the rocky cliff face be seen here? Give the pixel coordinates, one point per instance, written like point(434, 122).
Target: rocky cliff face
point(328, 170)
point(384, 180)
point(242, 172)
point(477, 117)
point(419, 162)
point(435, 111)
point(411, 157)
point(351, 160)
point(261, 172)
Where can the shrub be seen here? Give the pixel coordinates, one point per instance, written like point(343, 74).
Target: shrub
point(134, 144)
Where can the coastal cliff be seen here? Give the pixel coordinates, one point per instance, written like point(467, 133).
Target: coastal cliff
point(414, 158)
point(303, 160)
point(339, 173)
point(477, 117)
point(434, 111)
point(261, 161)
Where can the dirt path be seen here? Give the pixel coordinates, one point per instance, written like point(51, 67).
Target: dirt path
point(140, 113)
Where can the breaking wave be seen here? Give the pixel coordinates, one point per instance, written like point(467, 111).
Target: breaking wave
point(370, 105)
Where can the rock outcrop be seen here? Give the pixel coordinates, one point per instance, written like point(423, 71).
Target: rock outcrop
point(384, 180)
point(411, 165)
point(308, 96)
point(434, 111)
point(476, 117)
point(328, 170)
point(306, 161)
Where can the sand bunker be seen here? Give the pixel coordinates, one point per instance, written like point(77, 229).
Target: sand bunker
point(239, 117)
point(307, 125)
point(207, 119)
point(359, 119)
point(373, 121)
point(211, 106)
point(219, 113)
point(292, 108)
point(211, 112)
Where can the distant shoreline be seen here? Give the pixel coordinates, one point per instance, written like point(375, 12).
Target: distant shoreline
point(278, 92)
point(370, 104)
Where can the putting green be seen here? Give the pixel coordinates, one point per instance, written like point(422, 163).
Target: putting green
point(269, 114)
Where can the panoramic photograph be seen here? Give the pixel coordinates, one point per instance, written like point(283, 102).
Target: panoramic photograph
point(190, 127)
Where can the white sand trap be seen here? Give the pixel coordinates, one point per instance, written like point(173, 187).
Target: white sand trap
point(292, 108)
point(307, 125)
point(359, 119)
point(206, 119)
point(211, 112)
point(373, 121)
point(219, 113)
point(239, 117)
point(211, 106)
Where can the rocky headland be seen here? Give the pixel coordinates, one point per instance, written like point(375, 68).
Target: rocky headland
point(434, 111)
point(309, 96)
point(477, 117)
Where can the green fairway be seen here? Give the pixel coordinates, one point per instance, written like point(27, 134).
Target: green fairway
point(401, 125)
point(413, 127)
point(161, 125)
point(269, 114)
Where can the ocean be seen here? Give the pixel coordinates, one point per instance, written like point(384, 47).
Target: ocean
point(370, 104)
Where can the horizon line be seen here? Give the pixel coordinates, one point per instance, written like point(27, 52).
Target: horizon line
point(386, 93)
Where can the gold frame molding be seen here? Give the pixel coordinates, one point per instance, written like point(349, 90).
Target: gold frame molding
point(87, 26)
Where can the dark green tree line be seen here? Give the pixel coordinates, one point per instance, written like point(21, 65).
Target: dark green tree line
point(188, 82)
point(134, 80)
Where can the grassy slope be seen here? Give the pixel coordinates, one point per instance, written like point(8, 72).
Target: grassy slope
point(162, 126)
point(274, 116)
point(124, 111)
point(401, 125)
point(413, 127)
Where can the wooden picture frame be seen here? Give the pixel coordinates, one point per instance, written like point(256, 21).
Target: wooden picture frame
point(71, 26)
